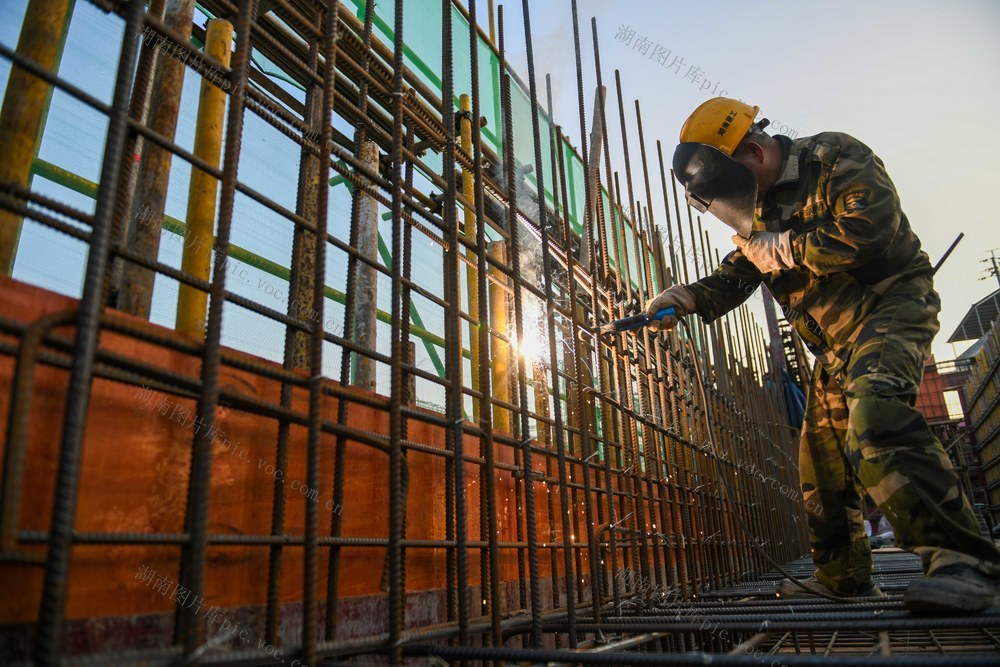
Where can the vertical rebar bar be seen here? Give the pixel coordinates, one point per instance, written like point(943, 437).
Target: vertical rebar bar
point(199, 486)
point(310, 561)
point(52, 611)
point(481, 353)
point(397, 501)
point(453, 323)
point(340, 451)
point(591, 219)
point(534, 585)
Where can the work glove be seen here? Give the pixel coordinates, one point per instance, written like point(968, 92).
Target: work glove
point(769, 251)
point(678, 296)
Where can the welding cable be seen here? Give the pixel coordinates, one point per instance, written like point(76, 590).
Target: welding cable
point(725, 483)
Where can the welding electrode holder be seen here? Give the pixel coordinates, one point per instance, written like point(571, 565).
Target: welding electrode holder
point(634, 322)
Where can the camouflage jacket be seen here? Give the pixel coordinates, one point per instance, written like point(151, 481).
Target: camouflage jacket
point(850, 240)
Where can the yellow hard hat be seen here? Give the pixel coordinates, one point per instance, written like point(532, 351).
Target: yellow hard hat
point(721, 122)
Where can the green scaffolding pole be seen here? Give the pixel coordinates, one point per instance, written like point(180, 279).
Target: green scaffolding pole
point(77, 183)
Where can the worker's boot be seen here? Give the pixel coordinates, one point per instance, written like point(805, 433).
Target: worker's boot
point(787, 588)
point(953, 588)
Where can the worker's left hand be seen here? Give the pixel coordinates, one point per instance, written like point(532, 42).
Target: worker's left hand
point(769, 251)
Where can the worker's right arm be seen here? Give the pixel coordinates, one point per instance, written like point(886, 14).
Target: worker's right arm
point(726, 288)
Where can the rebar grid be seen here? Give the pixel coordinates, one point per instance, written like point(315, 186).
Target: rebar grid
point(599, 500)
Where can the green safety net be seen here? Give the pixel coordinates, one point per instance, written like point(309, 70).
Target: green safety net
point(423, 56)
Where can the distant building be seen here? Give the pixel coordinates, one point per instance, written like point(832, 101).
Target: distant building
point(980, 395)
point(977, 322)
point(941, 401)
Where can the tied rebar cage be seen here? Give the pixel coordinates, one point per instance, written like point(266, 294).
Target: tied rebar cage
point(324, 380)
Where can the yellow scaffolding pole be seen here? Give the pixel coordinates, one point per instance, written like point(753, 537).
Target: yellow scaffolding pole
point(469, 231)
point(499, 349)
point(192, 303)
point(24, 108)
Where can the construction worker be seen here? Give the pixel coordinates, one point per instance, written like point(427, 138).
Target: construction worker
point(820, 223)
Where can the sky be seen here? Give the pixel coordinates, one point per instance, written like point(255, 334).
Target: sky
point(917, 81)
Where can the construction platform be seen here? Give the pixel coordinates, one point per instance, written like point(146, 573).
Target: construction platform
point(746, 622)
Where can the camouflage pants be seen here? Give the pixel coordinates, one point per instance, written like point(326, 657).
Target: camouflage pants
point(862, 433)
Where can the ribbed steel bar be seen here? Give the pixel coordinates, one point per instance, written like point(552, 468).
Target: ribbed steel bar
point(397, 499)
point(302, 245)
point(583, 350)
point(608, 359)
point(580, 357)
point(193, 565)
point(53, 604)
point(696, 658)
point(554, 347)
point(565, 504)
point(310, 605)
point(654, 390)
point(456, 514)
point(637, 364)
point(528, 483)
point(333, 569)
point(490, 573)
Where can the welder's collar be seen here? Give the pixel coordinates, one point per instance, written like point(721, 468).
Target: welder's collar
point(789, 163)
